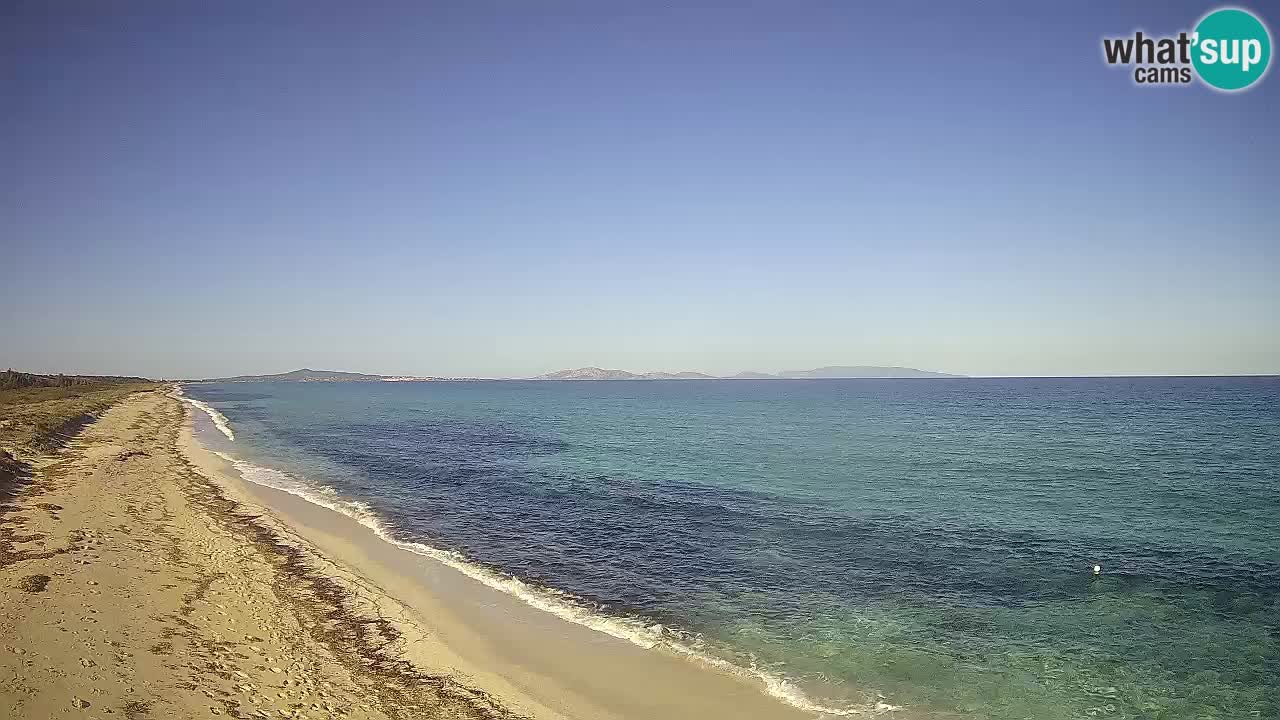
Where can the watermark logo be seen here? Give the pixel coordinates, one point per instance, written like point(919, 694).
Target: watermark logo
point(1229, 50)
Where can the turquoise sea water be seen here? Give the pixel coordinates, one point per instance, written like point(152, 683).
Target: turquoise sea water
point(925, 543)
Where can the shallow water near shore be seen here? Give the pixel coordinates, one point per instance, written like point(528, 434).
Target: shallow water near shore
point(861, 544)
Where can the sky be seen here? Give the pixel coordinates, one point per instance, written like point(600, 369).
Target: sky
point(508, 188)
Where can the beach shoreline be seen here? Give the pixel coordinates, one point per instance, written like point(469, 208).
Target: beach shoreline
point(130, 585)
point(530, 660)
point(142, 575)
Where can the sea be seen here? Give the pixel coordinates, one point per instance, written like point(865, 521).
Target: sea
point(858, 545)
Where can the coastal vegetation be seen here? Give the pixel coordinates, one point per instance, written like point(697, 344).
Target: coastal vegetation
point(39, 411)
point(12, 380)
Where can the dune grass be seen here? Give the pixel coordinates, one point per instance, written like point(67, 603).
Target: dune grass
point(36, 419)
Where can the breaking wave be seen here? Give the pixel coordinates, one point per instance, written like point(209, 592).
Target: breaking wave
point(636, 630)
point(219, 420)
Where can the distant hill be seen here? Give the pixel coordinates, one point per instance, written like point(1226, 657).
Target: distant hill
point(863, 371)
point(595, 373)
point(686, 375)
point(303, 375)
point(588, 373)
point(852, 371)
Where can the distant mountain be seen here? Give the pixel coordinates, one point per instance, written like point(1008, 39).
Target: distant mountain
point(595, 373)
point(863, 371)
point(854, 371)
point(686, 375)
point(588, 373)
point(304, 375)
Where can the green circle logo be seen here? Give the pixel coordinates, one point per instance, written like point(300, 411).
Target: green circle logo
point(1232, 49)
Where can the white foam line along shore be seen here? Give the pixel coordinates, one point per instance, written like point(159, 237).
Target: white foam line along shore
point(219, 420)
point(559, 603)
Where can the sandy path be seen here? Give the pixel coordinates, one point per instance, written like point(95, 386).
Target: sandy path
point(131, 587)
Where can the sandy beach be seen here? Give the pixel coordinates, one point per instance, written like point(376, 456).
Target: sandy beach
point(141, 577)
point(130, 586)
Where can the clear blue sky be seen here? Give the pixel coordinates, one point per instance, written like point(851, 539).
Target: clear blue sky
point(200, 189)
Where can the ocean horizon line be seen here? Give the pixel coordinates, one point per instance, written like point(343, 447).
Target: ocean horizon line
point(440, 379)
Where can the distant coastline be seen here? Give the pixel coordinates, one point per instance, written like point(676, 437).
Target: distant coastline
point(601, 374)
point(830, 371)
point(589, 374)
point(329, 376)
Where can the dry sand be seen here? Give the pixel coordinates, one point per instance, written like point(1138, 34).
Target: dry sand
point(130, 587)
point(140, 577)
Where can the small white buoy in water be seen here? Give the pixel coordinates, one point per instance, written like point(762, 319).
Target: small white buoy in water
point(1097, 569)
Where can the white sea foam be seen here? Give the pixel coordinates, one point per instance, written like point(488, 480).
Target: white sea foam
point(219, 420)
point(561, 604)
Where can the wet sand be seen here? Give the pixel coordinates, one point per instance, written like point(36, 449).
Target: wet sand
point(141, 577)
point(533, 661)
point(131, 587)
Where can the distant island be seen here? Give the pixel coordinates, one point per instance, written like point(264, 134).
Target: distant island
point(303, 375)
point(330, 376)
point(595, 373)
point(831, 371)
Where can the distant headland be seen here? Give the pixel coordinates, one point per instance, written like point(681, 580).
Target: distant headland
point(595, 373)
point(329, 376)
